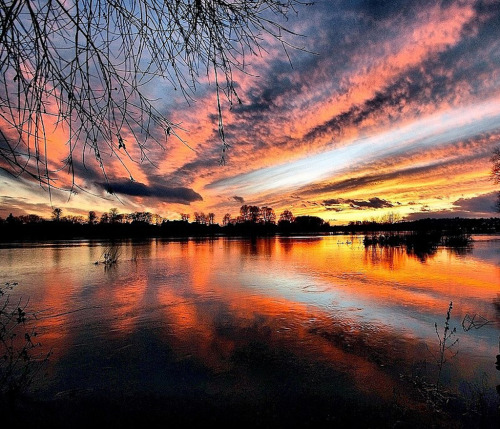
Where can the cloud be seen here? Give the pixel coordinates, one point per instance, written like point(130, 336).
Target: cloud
point(440, 214)
point(238, 199)
point(339, 204)
point(372, 203)
point(426, 133)
point(179, 195)
point(482, 204)
point(21, 206)
point(357, 113)
point(381, 9)
point(334, 204)
point(333, 201)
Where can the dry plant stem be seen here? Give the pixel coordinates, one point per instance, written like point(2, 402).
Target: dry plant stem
point(444, 344)
point(20, 362)
point(110, 255)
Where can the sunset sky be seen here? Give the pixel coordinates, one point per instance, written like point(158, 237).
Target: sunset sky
point(393, 106)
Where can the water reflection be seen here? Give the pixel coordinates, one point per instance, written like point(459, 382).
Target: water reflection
point(257, 317)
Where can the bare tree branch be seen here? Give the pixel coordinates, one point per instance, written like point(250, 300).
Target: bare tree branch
point(84, 65)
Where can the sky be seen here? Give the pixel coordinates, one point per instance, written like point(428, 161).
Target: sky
point(391, 107)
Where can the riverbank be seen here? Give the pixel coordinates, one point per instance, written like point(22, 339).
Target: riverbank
point(62, 230)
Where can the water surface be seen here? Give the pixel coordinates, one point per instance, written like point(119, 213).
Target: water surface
point(258, 319)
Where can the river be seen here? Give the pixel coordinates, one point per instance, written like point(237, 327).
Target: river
point(252, 320)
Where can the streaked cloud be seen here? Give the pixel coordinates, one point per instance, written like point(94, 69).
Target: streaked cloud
point(425, 133)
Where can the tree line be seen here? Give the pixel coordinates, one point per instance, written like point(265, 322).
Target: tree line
point(247, 214)
point(250, 221)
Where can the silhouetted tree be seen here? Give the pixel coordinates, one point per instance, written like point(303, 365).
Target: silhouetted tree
point(30, 218)
point(200, 218)
point(185, 217)
point(254, 214)
point(85, 64)
point(211, 218)
point(104, 218)
point(156, 219)
point(92, 217)
point(245, 213)
point(309, 223)
point(226, 220)
point(390, 218)
point(114, 216)
point(11, 220)
point(145, 217)
point(286, 216)
point(57, 214)
point(267, 214)
point(75, 219)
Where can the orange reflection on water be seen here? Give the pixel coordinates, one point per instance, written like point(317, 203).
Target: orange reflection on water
point(226, 305)
point(391, 275)
point(281, 323)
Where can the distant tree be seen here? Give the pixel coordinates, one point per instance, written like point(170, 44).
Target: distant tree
point(56, 214)
point(390, 218)
point(226, 220)
point(156, 219)
point(144, 217)
point(286, 216)
point(309, 222)
point(200, 218)
point(75, 219)
point(185, 217)
point(147, 217)
point(11, 220)
point(92, 217)
point(267, 214)
point(211, 218)
point(104, 218)
point(30, 218)
point(85, 65)
point(255, 214)
point(245, 213)
point(114, 215)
